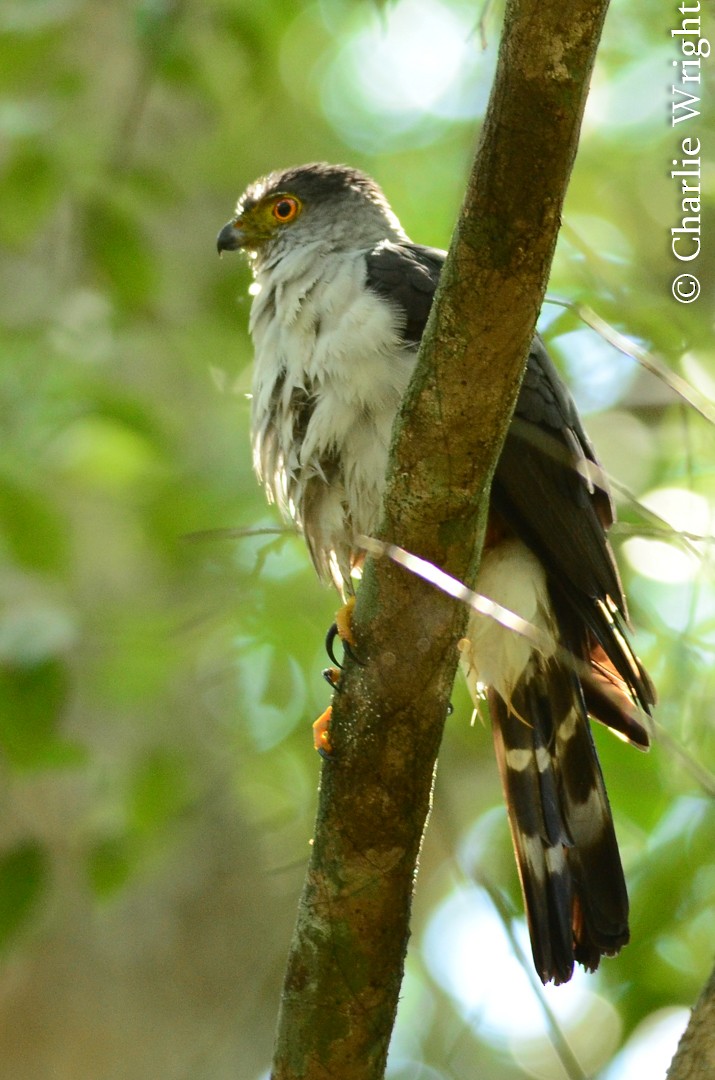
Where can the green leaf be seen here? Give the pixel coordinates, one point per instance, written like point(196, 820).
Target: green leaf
point(23, 879)
point(159, 791)
point(110, 865)
point(117, 246)
point(30, 186)
point(32, 528)
point(32, 699)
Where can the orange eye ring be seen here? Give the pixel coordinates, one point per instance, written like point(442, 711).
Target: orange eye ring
point(285, 209)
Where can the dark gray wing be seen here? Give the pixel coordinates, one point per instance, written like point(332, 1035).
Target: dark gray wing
point(542, 478)
point(543, 487)
point(549, 486)
point(407, 276)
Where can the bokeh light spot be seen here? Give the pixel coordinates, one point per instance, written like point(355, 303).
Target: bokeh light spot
point(650, 1048)
point(415, 66)
point(469, 954)
point(685, 511)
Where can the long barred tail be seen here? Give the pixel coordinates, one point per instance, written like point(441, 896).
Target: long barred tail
point(560, 819)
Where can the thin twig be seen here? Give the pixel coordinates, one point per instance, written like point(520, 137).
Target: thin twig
point(696, 769)
point(655, 521)
point(482, 24)
point(238, 534)
point(155, 46)
point(662, 531)
point(545, 642)
point(556, 1035)
point(646, 359)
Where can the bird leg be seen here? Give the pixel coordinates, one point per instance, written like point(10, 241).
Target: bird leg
point(342, 628)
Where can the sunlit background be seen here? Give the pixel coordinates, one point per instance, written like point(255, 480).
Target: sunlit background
point(161, 668)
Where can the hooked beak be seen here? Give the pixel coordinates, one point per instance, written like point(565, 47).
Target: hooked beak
point(231, 236)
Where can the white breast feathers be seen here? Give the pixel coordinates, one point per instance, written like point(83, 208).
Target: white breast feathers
point(330, 370)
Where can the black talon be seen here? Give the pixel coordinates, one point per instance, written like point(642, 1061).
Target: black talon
point(329, 642)
point(450, 709)
point(349, 651)
point(330, 637)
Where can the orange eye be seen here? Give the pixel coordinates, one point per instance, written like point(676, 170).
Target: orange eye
point(285, 209)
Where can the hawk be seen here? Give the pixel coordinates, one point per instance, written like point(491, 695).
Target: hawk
point(341, 299)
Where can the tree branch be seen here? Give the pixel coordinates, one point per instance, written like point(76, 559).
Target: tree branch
point(695, 1056)
point(346, 960)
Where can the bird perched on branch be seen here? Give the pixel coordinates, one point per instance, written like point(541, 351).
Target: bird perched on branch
point(341, 301)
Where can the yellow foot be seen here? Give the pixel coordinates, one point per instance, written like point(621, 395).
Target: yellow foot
point(344, 622)
point(321, 732)
point(342, 628)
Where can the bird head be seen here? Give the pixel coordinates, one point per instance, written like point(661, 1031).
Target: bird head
point(331, 207)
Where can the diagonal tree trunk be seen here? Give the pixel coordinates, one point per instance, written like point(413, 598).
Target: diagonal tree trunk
point(695, 1056)
point(346, 958)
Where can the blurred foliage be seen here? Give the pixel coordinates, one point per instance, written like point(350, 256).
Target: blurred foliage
point(159, 668)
